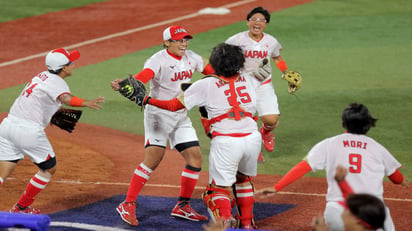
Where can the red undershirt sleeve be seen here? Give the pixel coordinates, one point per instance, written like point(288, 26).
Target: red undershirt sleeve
point(294, 174)
point(170, 105)
point(145, 75)
point(345, 188)
point(208, 70)
point(396, 177)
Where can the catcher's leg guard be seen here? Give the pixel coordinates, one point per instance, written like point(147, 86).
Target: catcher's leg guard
point(219, 205)
point(244, 194)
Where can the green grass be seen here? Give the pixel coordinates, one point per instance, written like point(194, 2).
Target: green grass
point(347, 51)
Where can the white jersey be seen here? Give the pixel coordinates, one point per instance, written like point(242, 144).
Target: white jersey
point(255, 51)
point(367, 162)
point(170, 72)
point(163, 125)
point(39, 99)
point(214, 94)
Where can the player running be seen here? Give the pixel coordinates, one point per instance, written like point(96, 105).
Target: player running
point(22, 131)
point(367, 162)
point(166, 70)
point(230, 101)
point(256, 46)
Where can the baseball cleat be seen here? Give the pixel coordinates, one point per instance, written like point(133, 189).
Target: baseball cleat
point(247, 227)
point(28, 210)
point(127, 211)
point(230, 222)
point(187, 212)
point(268, 140)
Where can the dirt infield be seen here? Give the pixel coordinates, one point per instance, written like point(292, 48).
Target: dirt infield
point(90, 165)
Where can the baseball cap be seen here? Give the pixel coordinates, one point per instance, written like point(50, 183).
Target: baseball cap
point(57, 58)
point(175, 33)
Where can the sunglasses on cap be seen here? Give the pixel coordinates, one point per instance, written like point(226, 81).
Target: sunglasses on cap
point(183, 40)
point(254, 19)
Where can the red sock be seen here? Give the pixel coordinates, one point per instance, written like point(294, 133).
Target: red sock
point(140, 176)
point(34, 187)
point(188, 181)
point(245, 201)
point(1, 181)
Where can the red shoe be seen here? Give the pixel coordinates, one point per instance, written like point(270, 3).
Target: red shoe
point(127, 211)
point(247, 224)
point(268, 140)
point(248, 227)
point(187, 212)
point(29, 210)
point(260, 158)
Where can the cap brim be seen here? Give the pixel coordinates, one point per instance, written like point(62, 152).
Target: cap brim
point(180, 36)
point(74, 55)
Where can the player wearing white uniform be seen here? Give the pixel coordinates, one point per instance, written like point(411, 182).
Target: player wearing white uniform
point(167, 70)
point(256, 46)
point(22, 131)
point(363, 211)
point(366, 160)
point(230, 101)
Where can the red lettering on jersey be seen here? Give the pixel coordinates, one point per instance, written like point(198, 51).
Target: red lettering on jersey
point(29, 89)
point(345, 144)
point(241, 79)
point(355, 162)
point(182, 75)
point(256, 54)
point(42, 76)
point(354, 144)
point(220, 83)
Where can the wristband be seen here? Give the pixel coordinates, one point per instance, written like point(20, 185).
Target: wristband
point(282, 66)
point(76, 101)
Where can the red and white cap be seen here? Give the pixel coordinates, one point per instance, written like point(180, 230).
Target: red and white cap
point(57, 58)
point(175, 33)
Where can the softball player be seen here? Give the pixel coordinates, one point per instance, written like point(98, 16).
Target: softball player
point(256, 46)
point(167, 70)
point(22, 131)
point(362, 211)
point(230, 101)
point(367, 162)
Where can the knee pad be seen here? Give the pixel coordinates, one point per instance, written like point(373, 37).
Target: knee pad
point(48, 164)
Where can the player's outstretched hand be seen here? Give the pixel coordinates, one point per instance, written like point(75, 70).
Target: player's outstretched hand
point(265, 192)
point(340, 173)
point(94, 103)
point(318, 223)
point(115, 84)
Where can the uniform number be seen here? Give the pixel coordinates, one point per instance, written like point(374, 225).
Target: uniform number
point(243, 96)
point(355, 162)
point(29, 89)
